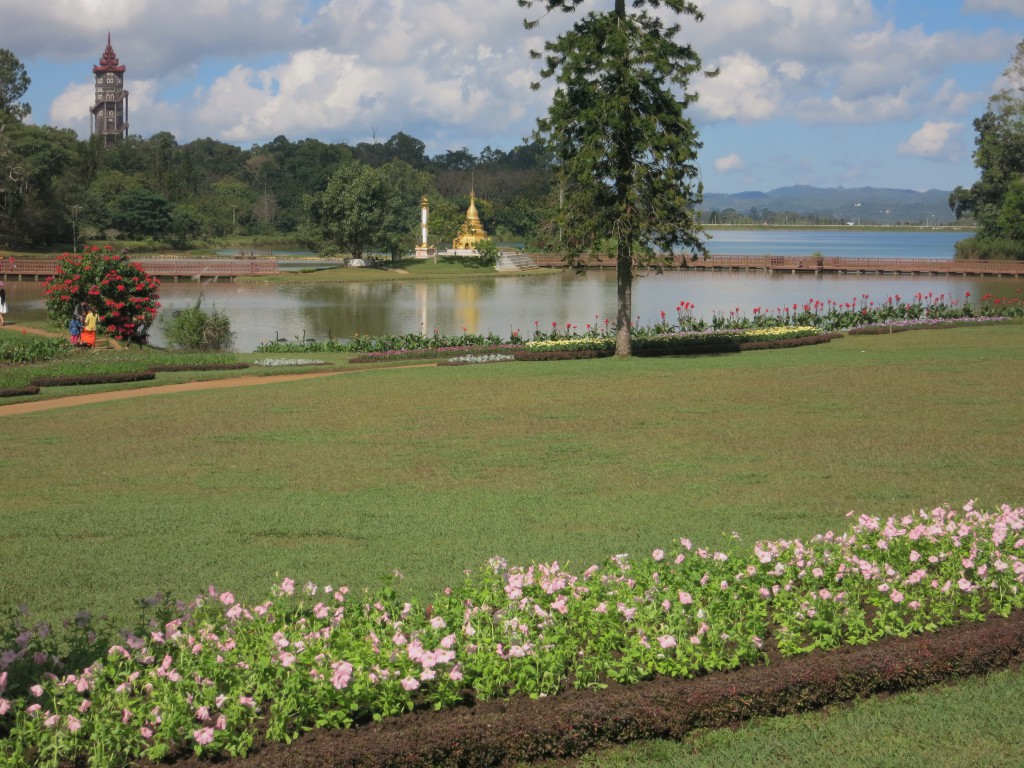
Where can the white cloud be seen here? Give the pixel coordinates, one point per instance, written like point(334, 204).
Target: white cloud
point(949, 99)
point(729, 163)
point(71, 109)
point(991, 6)
point(744, 90)
point(933, 140)
point(794, 70)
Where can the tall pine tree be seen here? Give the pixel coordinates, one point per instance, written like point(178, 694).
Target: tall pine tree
point(624, 149)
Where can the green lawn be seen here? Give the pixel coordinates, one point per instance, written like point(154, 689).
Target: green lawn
point(430, 471)
point(975, 723)
point(433, 470)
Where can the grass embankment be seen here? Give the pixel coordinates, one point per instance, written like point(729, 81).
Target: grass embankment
point(432, 471)
point(444, 268)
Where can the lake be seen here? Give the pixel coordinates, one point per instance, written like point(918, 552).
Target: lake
point(261, 312)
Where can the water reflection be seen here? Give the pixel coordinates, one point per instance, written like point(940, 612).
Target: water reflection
point(261, 312)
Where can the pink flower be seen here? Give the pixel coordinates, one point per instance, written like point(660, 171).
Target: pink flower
point(410, 683)
point(287, 587)
point(203, 735)
point(227, 598)
point(438, 623)
point(5, 706)
point(73, 723)
point(51, 721)
point(658, 555)
point(685, 598)
point(36, 690)
point(667, 641)
point(897, 596)
point(342, 674)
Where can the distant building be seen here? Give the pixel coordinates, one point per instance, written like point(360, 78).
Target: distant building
point(110, 112)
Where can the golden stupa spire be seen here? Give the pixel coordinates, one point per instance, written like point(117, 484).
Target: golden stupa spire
point(472, 230)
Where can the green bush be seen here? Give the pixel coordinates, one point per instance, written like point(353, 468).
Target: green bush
point(32, 350)
point(990, 249)
point(195, 329)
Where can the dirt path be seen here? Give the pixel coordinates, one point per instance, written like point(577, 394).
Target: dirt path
point(16, 409)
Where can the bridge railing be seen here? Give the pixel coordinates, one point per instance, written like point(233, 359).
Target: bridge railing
point(157, 267)
point(825, 263)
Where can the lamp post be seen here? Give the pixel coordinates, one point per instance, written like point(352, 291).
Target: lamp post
point(74, 226)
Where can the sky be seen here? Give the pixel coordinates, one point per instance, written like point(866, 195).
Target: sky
point(830, 93)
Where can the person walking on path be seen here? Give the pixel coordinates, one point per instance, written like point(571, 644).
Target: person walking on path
point(3, 304)
point(89, 329)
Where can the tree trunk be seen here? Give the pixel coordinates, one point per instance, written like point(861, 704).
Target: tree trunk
point(624, 303)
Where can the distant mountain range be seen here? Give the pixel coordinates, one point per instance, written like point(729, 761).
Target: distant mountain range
point(865, 205)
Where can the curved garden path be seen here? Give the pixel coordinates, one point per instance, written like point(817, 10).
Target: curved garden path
point(16, 409)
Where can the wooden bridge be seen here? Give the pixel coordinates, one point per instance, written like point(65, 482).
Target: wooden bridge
point(200, 270)
point(826, 265)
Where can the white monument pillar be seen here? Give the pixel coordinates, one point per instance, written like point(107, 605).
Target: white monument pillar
point(423, 250)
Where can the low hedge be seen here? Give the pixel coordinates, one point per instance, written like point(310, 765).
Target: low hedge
point(94, 378)
point(688, 349)
point(875, 330)
point(19, 391)
point(563, 354)
point(198, 367)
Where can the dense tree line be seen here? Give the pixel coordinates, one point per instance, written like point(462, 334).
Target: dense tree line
point(56, 189)
point(60, 188)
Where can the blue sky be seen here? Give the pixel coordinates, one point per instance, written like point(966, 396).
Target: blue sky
point(823, 92)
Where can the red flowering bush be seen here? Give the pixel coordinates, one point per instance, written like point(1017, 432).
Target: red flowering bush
point(118, 288)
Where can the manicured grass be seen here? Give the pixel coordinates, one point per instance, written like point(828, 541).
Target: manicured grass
point(431, 471)
point(977, 722)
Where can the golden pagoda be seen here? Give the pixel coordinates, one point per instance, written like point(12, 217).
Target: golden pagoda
point(472, 230)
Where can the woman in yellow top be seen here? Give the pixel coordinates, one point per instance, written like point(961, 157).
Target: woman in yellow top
point(89, 329)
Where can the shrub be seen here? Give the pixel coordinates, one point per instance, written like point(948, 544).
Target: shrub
point(93, 378)
point(195, 329)
point(990, 248)
point(19, 391)
point(488, 252)
point(32, 350)
point(122, 293)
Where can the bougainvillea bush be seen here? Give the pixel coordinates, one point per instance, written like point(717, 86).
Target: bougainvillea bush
point(118, 288)
point(216, 674)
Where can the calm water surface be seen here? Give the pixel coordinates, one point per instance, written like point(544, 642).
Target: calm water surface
point(261, 312)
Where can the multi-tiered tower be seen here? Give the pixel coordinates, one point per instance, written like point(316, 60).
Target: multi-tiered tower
point(110, 112)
